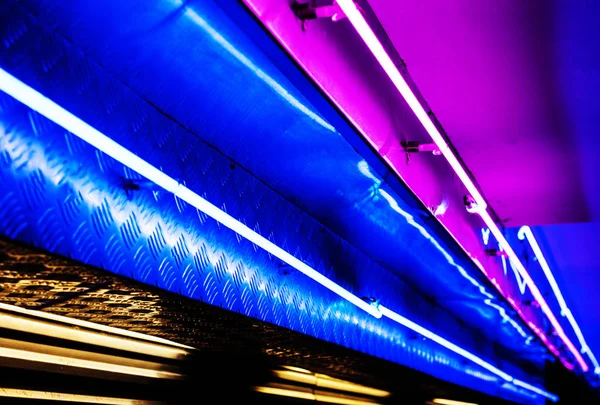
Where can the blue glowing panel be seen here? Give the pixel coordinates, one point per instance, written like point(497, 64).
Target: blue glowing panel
point(66, 196)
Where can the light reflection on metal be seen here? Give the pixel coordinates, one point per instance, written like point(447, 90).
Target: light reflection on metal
point(218, 38)
point(526, 233)
point(46, 107)
point(535, 291)
point(363, 167)
point(16, 393)
point(370, 39)
point(443, 342)
point(462, 352)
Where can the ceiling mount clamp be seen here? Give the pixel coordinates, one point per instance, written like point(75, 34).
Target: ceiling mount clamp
point(471, 205)
point(416, 147)
point(310, 11)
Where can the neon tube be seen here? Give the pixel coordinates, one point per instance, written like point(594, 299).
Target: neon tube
point(526, 233)
point(66, 397)
point(535, 291)
point(394, 316)
point(49, 109)
point(370, 39)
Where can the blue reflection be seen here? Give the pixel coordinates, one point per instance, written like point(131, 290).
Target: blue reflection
point(363, 167)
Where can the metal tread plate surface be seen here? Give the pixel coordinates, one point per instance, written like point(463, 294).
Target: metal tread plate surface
point(67, 197)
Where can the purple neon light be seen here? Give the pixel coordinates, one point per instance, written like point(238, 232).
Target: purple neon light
point(368, 36)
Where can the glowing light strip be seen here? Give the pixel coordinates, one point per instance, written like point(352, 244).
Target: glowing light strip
point(462, 352)
point(89, 325)
point(66, 361)
point(46, 107)
point(65, 397)
point(299, 393)
point(535, 291)
point(49, 109)
point(325, 381)
point(450, 402)
point(90, 337)
point(370, 39)
point(525, 232)
point(443, 342)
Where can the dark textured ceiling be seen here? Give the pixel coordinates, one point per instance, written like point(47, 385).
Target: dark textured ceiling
point(33, 279)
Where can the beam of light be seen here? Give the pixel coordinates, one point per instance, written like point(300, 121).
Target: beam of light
point(441, 401)
point(38, 353)
point(66, 397)
point(49, 109)
point(325, 381)
point(526, 233)
point(372, 42)
point(462, 352)
point(537, 390)
point(89, 334)
point(291, 391)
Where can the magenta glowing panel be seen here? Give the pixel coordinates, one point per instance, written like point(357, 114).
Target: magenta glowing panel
point(368, 36)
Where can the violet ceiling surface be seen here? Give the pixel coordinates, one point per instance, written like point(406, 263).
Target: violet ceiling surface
point(513, 84)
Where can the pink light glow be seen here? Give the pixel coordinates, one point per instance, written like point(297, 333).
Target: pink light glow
point(368, 36)
point(394, 74)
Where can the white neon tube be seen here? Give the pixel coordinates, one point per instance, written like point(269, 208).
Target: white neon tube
point(372, 42)
point(49, 109)
point(526, 233)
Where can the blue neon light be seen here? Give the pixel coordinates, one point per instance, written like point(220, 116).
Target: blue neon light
point(526, 233)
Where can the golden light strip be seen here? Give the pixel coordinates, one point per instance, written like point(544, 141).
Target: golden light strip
point(11, 349)
point(309, 395)
point(16, 322)
point(64, 397)
point(90, 325)
point(450, 402)
point(324, 381)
